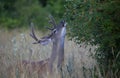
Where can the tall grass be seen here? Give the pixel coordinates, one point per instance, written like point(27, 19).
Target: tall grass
point(16, 46)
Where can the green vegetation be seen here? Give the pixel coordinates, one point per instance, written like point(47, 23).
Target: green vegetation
point(97, 22)
point(19, 13)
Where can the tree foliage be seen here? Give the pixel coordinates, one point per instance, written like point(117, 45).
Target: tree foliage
point(18, 13)
point(97, 22)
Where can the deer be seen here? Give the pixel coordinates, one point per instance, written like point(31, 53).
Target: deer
point(57, 37)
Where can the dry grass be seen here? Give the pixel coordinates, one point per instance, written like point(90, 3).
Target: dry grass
point(16, 46)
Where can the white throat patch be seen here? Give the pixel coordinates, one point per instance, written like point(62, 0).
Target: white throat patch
point(63, 32)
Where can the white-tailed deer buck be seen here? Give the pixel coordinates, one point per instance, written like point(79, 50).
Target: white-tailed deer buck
point(57, 37)
point(26, 69)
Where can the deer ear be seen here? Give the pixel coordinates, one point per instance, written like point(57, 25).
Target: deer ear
point(45, 41)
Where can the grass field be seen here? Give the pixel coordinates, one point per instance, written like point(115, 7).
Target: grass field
point(16, 46)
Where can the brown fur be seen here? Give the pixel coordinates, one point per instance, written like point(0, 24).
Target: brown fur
point(26, 69)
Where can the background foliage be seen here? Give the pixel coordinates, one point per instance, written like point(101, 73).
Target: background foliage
point(19, 13)
point(97, 22)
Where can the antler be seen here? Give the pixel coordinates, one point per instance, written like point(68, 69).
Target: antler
point(32, 34)
point(44, 40)
point(49, 28)
point(52, 21)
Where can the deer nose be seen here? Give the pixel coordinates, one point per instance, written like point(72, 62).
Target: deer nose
point(65, 24)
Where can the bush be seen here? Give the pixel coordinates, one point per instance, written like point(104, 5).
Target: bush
point(97, 22)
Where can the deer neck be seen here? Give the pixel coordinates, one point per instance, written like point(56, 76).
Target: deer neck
point(58, 44)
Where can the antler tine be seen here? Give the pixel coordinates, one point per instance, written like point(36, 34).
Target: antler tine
point(49, 28)
point(52, 21)
point(32, 34)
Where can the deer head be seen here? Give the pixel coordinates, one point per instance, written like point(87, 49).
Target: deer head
point(57, 32)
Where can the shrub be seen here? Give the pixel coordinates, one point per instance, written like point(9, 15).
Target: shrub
point(97, 22)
